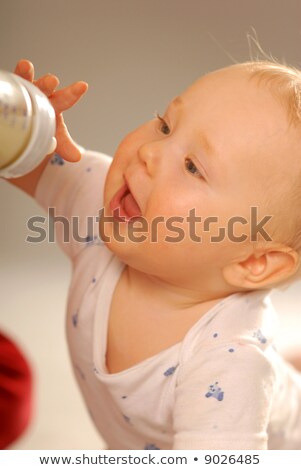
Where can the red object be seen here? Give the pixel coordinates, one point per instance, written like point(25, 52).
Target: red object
point(15, 392)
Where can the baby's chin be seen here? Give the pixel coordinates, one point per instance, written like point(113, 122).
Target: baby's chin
point(106, 232)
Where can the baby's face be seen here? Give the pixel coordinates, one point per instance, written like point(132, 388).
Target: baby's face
point(219, 152)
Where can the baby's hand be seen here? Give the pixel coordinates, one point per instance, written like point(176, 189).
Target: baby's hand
point(61, 100)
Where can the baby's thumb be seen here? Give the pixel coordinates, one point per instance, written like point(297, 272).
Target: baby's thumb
point(66, 147)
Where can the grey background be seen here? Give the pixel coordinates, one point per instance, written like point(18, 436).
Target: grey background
point(136, 55)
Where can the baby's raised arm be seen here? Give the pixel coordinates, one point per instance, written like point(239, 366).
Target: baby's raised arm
point(61, 100)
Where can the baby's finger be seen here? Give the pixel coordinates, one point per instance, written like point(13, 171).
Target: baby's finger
point(25, 69)
point(66, 97)
point(47, 84)
point(66, 147)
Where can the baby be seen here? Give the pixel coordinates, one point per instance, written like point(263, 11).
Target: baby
point(169, 322)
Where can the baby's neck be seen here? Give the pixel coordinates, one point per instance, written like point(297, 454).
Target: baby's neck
point(170, 297)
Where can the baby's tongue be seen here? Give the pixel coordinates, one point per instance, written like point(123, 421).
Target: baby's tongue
point(130, 206)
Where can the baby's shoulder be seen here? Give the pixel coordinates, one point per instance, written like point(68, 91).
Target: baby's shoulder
point(239, 319)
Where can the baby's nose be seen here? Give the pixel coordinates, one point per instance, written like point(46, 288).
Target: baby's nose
point(150, 154)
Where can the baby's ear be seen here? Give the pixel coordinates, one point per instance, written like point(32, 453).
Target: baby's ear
point(263, 269)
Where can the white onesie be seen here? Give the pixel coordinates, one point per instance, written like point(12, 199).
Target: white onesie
point(223, 387)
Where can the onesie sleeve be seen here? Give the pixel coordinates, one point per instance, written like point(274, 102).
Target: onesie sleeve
point(72, 195)
point(223, 399)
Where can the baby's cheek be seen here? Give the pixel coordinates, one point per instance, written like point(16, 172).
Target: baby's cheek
point(168, 228)
point(128, 147)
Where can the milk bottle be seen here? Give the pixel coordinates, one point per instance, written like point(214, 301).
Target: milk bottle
point(27, 126)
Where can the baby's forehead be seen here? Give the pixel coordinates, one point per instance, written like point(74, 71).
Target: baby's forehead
point(230, 90)
point(262, 79)
point(224, 77)
point(239, 90)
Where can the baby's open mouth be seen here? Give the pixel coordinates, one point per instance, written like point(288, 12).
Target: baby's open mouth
point(124, 206)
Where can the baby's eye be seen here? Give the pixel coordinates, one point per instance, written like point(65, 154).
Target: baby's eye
point(192, 168)
point(163, 127)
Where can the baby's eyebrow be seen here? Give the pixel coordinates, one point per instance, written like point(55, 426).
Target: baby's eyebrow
point(206, 145)
point(177, 101)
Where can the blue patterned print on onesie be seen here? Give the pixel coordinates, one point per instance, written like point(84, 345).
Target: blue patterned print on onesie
point(57, 160)
point(170, 370)
point(215, 392)
point(149, 446)
point(258, 334)
point(89, 240)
